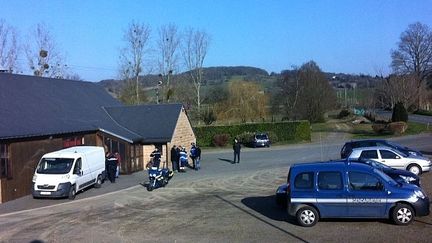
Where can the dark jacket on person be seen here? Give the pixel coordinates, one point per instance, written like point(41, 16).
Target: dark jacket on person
point(156, 155)
point(236, 147)
point(198, 152)
point(174, 154)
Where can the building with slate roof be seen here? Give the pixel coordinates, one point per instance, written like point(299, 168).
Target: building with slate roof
point(41, 115)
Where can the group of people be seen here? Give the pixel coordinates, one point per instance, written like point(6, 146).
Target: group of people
point(112, 166)
point(179, 157)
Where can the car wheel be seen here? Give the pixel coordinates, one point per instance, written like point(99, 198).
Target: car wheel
point(402, 214)
point(149, 187)
point(415, 169)
point(307, 216)
point(72, 193)
point(98, 182)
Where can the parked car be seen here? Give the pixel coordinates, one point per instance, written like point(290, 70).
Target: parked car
point(401, 176)
point(347, 148)
point(350, 190)
point(393, 158)
point(261, 140)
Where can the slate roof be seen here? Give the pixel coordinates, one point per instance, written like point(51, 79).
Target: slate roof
point(33, 106)
point(158, 126)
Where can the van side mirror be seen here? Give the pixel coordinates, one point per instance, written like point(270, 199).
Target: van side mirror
point(397, 157)
point(77, 171)
point(379, 186)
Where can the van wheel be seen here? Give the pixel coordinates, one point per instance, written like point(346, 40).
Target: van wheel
point(402, 214)
point(98, 183)
point(415, 169)
point(72, 193)
point(307, 216)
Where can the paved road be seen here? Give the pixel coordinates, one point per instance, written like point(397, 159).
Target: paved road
point(223, 202)
point(412, 117)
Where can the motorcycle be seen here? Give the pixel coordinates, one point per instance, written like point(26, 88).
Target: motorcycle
point(158, 177)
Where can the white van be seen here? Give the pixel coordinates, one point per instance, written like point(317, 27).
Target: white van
point(65, 172)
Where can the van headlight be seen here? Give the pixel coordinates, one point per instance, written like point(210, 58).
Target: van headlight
point(34, 178)
point(65, 177)
point(419, 194)
point(407, 179)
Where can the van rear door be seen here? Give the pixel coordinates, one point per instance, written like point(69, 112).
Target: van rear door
point(331, 194)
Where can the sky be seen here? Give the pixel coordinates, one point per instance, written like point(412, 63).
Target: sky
point(341, 36)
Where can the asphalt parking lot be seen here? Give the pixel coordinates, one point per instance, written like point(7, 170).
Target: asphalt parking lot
point(223, 202)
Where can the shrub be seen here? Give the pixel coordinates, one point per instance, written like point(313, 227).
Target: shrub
point(208, 117)
point(221, 140)
point(399, 113)
point(343, 113)
point(246, 138)
point(397, 127)
point(379, 128)
point(286, 131)
point(273, 137)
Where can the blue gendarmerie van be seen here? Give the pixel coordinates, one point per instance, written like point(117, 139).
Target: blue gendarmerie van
point(350, 190)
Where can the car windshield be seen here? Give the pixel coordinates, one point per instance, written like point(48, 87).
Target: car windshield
point(397, 146)
point(386, 178)
point(54, 166)
point(261, 136)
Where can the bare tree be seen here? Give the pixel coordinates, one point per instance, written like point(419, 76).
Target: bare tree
point(168, 44)
point(194, 51)
point(8, 47)
point(132, 56)
point(42, 55)
point(289, 91)
point(414, 54)
point(398, 88)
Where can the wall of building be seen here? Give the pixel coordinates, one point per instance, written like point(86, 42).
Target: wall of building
point(183, 135)
point(25, 156)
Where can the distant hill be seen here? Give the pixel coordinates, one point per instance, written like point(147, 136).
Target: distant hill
point(212, 75)
point(222, 74)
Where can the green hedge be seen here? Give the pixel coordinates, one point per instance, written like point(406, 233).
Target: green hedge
point(294, 131)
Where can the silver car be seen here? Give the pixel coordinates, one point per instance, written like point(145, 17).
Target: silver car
point(393, 158)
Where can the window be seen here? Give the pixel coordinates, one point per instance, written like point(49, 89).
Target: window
point(364, 182)
point(304, 180)
point(369, 154)
point(385, 154)
point(5, 162)
point(73, 141)
point(330, 181)
point(78, 166)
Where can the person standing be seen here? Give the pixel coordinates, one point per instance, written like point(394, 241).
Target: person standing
point(236, 148)
point(193, 155)
point(156, 155)
point(174, 158)
point(198, 158)
point(118, 157)
point(183, 159)
point(178, 158)
point(111, 164)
